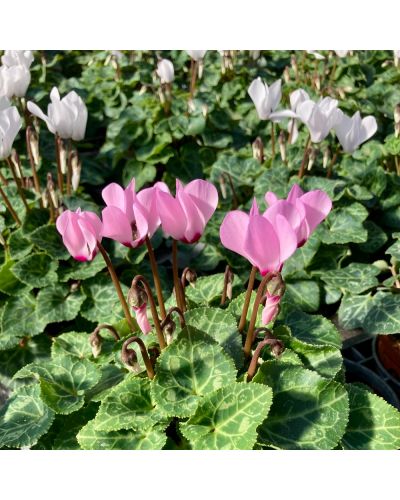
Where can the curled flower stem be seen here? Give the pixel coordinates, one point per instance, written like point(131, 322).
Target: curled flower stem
point(95, 339)
point(156, 277)
point(10, 208)
point(29, 133)
point(253, 319)
point(141, 279)
point(169, 314)
point(252, 277)
point(143, 350)
point(58, 159)
point(268, 339)
point(228, 280)
point(177, 284)
point(304, 161)
point(17, 182)
point(117, 286)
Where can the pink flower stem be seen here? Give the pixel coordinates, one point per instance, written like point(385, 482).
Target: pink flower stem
point(243, 317)
point(179, 293)
point(117, 286)
point(156, 277)
point(253, 319)
point(141, 279)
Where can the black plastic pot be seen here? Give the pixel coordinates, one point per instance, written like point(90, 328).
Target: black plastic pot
point(357, 373)
point(394, 380)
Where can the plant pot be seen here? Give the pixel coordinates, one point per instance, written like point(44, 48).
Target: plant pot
point(386, 351)
point(358, 373)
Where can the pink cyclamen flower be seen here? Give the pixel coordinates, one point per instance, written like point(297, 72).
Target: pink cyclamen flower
point(263, 243)
point(185, 216)
point(304, 211)
point(271, 308)
point(80, 231)
point(129, 217)
point(142, 319)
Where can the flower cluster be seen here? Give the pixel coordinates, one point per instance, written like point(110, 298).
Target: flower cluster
point(15, 75)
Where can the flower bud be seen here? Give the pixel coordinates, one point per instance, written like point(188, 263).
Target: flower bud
point(200, 68)
point(222, 185)
point(397, 113)
point(277, 348)
point(326, 157)
point(311, 158)
point(382, 265)
point(191, 276)
point(137, 296)
point(33, 144)
point(63, 157)
point(293, 63)
point(169, 329)
point(282, 145)
point(51, 190)
point(45, 199)
point(76, 167)
point(95, 343)
point(286, 74)
point(258, 150)
point(130, 360)
point(16, 162)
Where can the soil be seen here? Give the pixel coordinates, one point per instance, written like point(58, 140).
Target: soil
point(388, 349)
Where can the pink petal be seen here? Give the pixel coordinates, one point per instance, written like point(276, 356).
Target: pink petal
point(254, 208)
point(287, 238)
point(317, 205)
point(95, 222)
point(114, 196)
point(142, 228)
point(289, 212)
point(261, 245)
point(195, 222)
point(141, 318)
point(271, 309)
point(172, 216)
point(147, 199)
point(294, 193)
point(233, 231)
point(270, 198)
point(116, 225)
point(205, 195)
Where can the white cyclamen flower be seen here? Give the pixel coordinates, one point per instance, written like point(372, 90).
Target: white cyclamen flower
point(66, 117)
point(342, 53)
point(14, 81)
point(4, 102)
point(316, 54)
point(165, 70)
point(296, 98)
point(319, 117)
point(266, 100)
point(197, 55)
point(353, 131)
point(10, 123)
point(17, 58)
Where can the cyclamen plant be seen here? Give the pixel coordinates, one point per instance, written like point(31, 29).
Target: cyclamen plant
point(181, 356)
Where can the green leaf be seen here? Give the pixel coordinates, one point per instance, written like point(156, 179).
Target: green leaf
point(353, 310)
point(308, 412)
point(326, 360)
point(376, 238)
point(188, 369)
point(237, 304)
point(303, 294)
point(206, 289)
point(102, 304)
point(383, 316)
point(394, 250)
point(72, 343)
point(81, 270)
point(312, 329)
point(66, 427)
point(111, 375)
point(35, 218)
point(57, 303)
point(37, 270)
point(19, 320)
point(91, 439)
point(301, 259)
point(274, 179)
point(19, 246)
point(242, 171)
point(9, 284)
point(344, 225)
point(63, 381)
point(355, 278)
point(24, 418)
point(221, 326)
point(227, 419)
point(373, 423)
point(128, 406)
point(49, 240)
